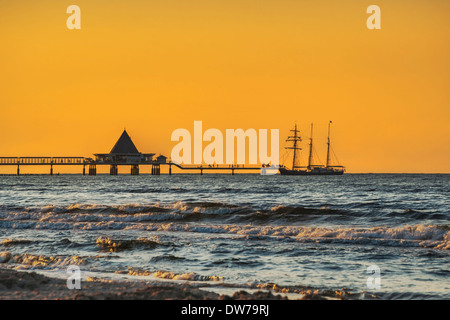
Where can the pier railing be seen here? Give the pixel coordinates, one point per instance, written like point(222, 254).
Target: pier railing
point(215, 167)
point(43, 160)
point(82, 161)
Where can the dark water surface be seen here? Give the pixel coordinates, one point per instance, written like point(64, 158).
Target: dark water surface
point(238, 231)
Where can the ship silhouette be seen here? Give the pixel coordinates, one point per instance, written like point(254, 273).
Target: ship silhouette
point(310, 168)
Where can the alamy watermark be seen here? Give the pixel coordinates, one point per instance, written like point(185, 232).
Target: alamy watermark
point(230, 149)
point(374, 280)
point(374, 20)
point(73, 22)
point(74, 279)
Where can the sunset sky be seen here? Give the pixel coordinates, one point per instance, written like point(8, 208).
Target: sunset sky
point(154, 66)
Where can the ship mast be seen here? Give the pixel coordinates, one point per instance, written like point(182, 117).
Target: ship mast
point(310, 148)
point(296, 139)
point(328, 146)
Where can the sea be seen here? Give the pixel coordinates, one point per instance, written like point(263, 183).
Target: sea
point(355, 236)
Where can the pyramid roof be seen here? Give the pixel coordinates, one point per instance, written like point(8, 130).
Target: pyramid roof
point(124, 145)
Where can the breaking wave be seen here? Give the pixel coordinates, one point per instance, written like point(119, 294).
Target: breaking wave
point(158, 212)
point(168, 275)
point(26, 260)
point(112, 245)
point(277, 221)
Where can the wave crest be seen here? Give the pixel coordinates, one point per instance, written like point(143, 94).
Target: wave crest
point(112, 245)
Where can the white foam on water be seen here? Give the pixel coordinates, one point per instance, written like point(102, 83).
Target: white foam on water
point(164, 217)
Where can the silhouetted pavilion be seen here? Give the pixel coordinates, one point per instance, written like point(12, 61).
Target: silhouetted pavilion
point(124, 152)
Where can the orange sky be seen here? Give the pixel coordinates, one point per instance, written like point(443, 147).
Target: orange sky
point(155, 66)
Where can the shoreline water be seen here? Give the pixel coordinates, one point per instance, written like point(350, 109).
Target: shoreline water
point(30, 285)
point(39, 285)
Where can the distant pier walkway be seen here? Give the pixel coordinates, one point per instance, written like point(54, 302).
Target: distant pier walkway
point(123, 153)
point(92, 165)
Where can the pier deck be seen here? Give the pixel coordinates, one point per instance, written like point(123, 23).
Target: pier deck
point(92, 164)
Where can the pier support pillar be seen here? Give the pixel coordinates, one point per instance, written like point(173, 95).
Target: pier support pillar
point(18, 170)
point(51, 170)
point(113, 170)
point(135, 170)
point(170, 169)
point(92, 170)
point(156, 170)
point(84, 170)
point(232, 172)
point(201, 172)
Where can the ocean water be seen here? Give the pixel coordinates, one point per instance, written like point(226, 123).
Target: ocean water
point(287, 233)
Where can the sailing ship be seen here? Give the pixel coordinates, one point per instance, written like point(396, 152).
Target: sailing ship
point(311, 168)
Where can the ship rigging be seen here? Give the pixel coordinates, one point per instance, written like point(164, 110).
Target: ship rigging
point(310, 168)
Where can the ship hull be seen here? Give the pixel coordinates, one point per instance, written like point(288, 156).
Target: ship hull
point(326, 172)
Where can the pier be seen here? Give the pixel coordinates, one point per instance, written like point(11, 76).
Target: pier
point(124, 153)
point(91, 164)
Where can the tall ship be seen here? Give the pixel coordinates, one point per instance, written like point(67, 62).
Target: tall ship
point(310, 168)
